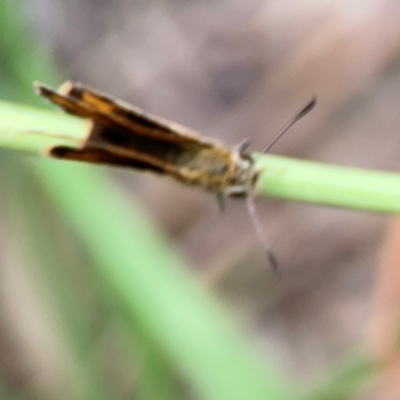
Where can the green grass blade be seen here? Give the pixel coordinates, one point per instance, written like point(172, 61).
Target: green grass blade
point(157, 290)
point(157, 380)
point(34, 130)
point(329, 185)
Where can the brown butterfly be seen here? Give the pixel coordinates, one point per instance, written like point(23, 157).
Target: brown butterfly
point(124, 135)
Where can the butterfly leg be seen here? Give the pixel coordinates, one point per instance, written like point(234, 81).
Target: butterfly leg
point(220, 197)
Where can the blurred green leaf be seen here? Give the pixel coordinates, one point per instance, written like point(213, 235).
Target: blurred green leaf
point(157, 290)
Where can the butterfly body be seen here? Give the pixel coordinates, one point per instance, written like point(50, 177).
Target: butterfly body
point(124, 135)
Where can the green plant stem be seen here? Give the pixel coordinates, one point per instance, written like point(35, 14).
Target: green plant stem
point(330, 185)
point(35, 130)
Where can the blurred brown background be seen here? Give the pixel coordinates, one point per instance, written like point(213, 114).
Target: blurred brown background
point(240, 69)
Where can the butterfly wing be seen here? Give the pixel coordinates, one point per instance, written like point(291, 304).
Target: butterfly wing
point(85, 102)
point(123, 135)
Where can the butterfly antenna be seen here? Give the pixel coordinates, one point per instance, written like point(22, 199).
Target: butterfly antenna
point(300, 114)
point(262, 237)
